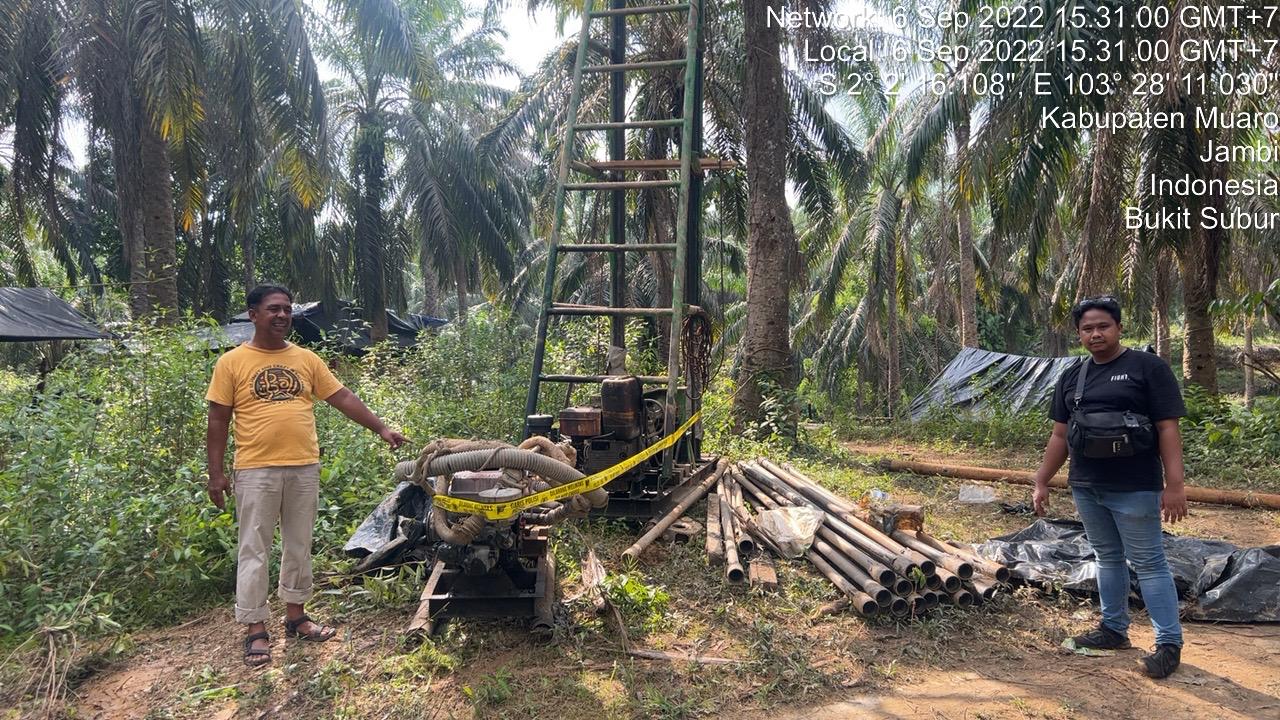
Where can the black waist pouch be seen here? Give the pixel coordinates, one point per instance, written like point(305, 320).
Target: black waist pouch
point(1107, 434)
point(1110, 434)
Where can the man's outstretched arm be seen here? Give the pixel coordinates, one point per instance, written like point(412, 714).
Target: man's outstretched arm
point(348, 404)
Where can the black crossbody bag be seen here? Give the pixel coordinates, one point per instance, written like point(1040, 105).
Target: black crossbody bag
point(1107, 434)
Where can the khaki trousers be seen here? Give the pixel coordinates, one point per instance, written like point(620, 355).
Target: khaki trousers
point(263, 497)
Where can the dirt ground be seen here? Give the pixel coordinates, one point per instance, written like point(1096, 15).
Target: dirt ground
point(779, 662)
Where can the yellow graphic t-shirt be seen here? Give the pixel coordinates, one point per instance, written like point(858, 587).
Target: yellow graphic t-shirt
point(271, 393)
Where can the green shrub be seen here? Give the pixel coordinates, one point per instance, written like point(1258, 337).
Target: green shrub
point(102, 501)
point(1221, 438)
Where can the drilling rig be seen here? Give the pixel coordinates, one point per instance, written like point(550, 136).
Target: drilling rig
point(480, 510)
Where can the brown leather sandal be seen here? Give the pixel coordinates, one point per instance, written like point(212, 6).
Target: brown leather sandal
point(256, 657)
point(321, 633)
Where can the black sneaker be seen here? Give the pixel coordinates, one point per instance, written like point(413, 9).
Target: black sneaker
point(1102, 638)
point(1162, 662)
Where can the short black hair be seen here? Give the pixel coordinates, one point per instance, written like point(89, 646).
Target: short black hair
point(254, 298)
point(1102, 302)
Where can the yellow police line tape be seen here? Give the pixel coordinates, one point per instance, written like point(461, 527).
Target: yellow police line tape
point(502, 510)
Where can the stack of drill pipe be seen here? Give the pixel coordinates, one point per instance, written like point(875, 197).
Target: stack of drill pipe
point(836, 559)
point(917, 571)
point(828, 502)
point(982, 578)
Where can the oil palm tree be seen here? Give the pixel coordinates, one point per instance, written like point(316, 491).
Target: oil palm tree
point(413, 136)
point(144, 72)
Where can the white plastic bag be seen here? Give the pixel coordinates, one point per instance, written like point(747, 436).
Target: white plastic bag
point(791, 528)
point(976, 494)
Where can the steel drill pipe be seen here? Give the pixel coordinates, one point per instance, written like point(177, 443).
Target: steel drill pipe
point(715, 541)
point(746, 545)
point(899, 607)
point(781, 494)
point(985, 586)
point(932, 598)
point(734, 534)
point(858, 599)
point(961, 598)
point(994, 569)
point(932, 582)
point(882, 574)
point(733, 571)
point(951, 562)
point(977, 596)
point(761, 499)
point(748, 523)
point(901, 563)
point(676, 512)
point(950, 581)
point(918, 604)
point(845, 511)
point(854, 573)
point(1021, 477)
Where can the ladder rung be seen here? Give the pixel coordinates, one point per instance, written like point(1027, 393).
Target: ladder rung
point(565, 309)
point(617, 247)
point(646, 379)
point(645, 65)
point(641, 10)
point(706, 163)
point(585, 168)
point(623, 185)
point(630, 125)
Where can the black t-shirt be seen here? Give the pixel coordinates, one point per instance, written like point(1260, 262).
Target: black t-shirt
point(1135, 381)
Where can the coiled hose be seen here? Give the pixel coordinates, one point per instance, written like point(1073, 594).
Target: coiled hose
point(554, 471)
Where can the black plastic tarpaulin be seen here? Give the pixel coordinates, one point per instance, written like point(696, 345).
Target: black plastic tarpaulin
point(343, 327)
point(35, 314)
point(1217, 580)
point(982, 381)
point(317, 324)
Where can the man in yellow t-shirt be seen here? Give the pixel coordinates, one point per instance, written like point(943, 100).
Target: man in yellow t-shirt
point(270, 385)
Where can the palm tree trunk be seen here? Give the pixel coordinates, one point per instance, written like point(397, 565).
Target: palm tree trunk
point(156, 199)
point(248, 252)
point(968, 269)
point(662, 223)
point(1249, 385)
point(1160, 305)
point(1200, 258)
point(894, 373)
point(430, 290)
point(770, 236)
point(371, 228)
point(1093, 274)
point(460, 289)
point(124, 156)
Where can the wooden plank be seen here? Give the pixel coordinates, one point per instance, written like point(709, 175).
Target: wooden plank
point(762, 574)
point(422, 618)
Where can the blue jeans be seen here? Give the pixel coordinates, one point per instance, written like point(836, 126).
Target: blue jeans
point(1123, 525)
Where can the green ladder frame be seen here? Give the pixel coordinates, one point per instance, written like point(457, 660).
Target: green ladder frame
point(689, 190)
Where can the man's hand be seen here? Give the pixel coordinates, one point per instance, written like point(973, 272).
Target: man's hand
point(393, 438)
point(1040, 498)
point(218, 486)
point(1173, 503)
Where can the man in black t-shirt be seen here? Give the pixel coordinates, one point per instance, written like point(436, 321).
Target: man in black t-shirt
point(1120, 499)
